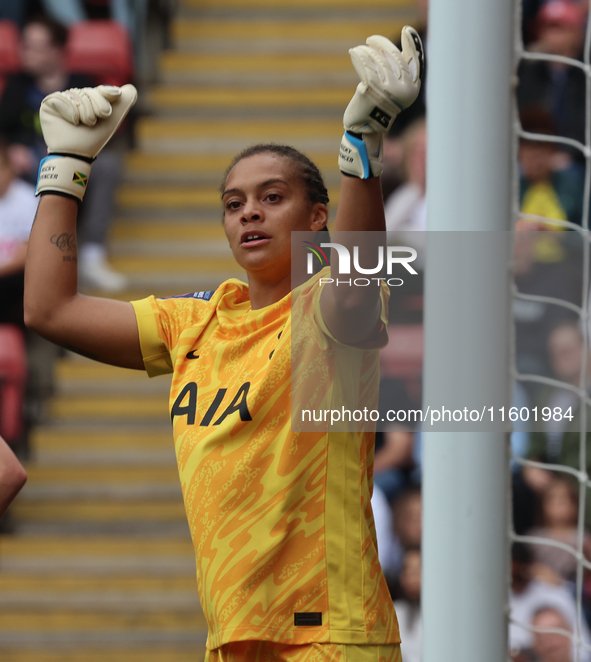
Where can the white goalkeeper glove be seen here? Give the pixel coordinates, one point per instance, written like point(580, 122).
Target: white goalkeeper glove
point(390, 82)
point(76, 125)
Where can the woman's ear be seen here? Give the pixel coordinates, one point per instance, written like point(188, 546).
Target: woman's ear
point(319, 216)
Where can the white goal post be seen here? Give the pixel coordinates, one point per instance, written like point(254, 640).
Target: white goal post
point(471, 150)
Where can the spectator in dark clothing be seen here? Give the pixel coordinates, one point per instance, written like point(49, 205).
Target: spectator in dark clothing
point(550, 187)
point(14, 10)
point(42, 56)
point(558, 87)
point(529, 9)
point(534, 320)
point(558, 441)
point(393, 461)
point(44, 72)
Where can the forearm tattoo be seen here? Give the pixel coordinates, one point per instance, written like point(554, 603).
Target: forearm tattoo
point(67, 244)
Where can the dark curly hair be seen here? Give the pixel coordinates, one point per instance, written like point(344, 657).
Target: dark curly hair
point(307, 170)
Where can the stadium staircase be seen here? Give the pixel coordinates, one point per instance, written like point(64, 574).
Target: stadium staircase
point(100, 566)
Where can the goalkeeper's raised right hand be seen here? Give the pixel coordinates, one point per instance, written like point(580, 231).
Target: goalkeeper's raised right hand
point(76, 125)
point(390, 83)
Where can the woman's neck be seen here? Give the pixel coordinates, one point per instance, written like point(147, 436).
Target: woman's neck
point(265, 293)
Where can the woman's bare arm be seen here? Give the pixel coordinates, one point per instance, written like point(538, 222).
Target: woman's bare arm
point(103, 329)
point(390, 81)
point(350, 312)
point(12, 476)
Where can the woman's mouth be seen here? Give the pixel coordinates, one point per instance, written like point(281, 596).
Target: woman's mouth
point(253, 239)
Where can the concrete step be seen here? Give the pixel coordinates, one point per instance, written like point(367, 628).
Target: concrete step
point(165, 264)
point(109, 408)
point(143, 284)
point(101, 481)
point(215, 101)
point(182, 136)
point(108, 445)
point(69, 586)
point(179, 197)
point(155, 229)
point(258, 69)
point(86, 376)
point(263, 34)
point(301, 6)
point(205, 168)
point(126, 512)
point(56, 621)
point(93, 555)
point(196, 249)
point(100, 594)
point(95, 474)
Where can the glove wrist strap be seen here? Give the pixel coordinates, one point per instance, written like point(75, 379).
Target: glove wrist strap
point(67, 175)
point(361, 155)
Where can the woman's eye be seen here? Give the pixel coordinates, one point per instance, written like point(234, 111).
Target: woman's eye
point(234, 204)
point(273, 197)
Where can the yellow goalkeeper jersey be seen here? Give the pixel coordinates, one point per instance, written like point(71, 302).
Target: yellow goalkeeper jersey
point(281, 521)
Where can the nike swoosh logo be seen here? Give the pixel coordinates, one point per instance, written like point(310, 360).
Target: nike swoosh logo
point(192, 355)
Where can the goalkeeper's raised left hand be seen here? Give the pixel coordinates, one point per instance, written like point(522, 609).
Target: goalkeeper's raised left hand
point(76, 125)
point(390, 82)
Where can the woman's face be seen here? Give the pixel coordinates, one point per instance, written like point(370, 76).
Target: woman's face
point(559, 507)
point(264, 200)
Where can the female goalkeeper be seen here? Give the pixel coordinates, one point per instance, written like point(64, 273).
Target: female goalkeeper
point(281, 521)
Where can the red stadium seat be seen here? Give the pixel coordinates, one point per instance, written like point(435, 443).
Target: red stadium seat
point(403, 357)
point(9, 50)
point(13, 377)
point(101, 49)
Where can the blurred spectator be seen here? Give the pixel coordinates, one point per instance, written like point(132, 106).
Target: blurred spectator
point(530, 9)
point(393, 176)
point(560, 88)
point(418, 108)
point(68, 12)
point(534, 320)
point(393, 460)
point(408, 510)
point(18, 206)
point(530, 594)
point(407, 518)
point(42, 56)
point(524, 498)
point(549, 187)
point(559, 440)
point(131, 14)
point(406, 207)
point(398, 528)
point(43, 51)
point(408, 607)
point(521, 428)
point(14, 10)
point(559, 516)
point(565, 350)
point(551, 646)
point(389, 552)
